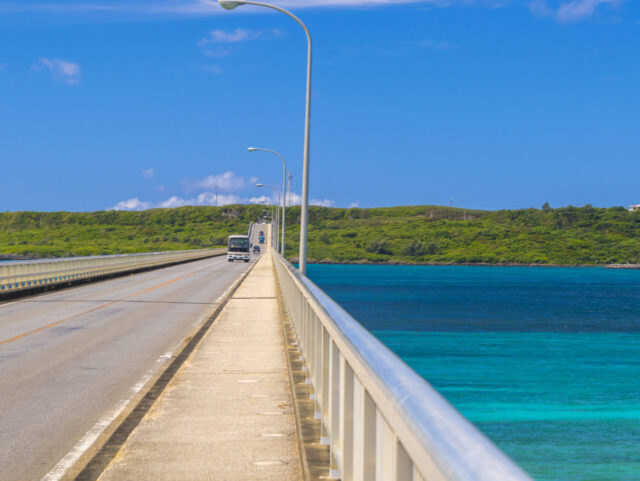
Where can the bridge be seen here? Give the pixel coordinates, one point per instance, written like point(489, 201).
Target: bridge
point(184, 366)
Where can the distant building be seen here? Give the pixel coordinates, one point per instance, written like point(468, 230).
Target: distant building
point(633, 208)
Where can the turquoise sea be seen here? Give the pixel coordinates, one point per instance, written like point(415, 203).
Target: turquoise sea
point(545, 361)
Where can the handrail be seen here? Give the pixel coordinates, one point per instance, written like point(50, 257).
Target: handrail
point(20, 275)
point(107, 256)
point(383, 420)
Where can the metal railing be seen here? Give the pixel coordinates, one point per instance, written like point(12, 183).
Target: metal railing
point(18, 275)
point(383, 422)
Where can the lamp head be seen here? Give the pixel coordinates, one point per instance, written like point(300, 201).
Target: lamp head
point(229, 5)
point(253, 149)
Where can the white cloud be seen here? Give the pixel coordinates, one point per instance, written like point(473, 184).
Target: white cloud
point(234, 36)
point(215, 190)
point(238, 35)
point(296, 199)
point(194, 7)
point(567, 11)
point(174, 201)
point(214, 69)
point(227, 181)
point(62, 70)
point(322, 202)
point(131, 204)
point(262, 200)
point(572, 11)
point(578, 9)
point(210, 198)
point(205, 198)
point(218, 43)
point(354, 204)
point(148, 173)
point(292, 199)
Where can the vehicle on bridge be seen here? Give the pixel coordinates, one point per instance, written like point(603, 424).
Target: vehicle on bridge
point(261, 237)
point(238, 248)
point(256, 249)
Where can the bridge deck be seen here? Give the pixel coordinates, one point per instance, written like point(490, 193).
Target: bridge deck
point(228, 413)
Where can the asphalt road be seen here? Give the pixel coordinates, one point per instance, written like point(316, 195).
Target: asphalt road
point(70, 359)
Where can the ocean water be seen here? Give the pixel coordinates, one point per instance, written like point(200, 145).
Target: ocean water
point(544, 361)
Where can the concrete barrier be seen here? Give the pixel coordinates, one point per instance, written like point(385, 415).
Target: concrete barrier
point(22, 275)
point(383, 422)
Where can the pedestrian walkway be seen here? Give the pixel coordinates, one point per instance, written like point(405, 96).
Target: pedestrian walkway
point(228, 413)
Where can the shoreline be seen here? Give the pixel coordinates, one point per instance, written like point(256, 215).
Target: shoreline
point(471, 264)
point(293, 260)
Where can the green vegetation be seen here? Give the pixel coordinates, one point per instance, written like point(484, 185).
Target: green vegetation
point(416, 234)
point(62, 234)
point(431, 234)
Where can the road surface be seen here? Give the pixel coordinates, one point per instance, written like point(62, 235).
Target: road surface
point(69, 360)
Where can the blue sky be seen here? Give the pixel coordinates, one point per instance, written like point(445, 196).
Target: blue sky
point(494, 104)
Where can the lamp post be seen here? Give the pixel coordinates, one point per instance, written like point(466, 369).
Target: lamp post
point(277, 191)
point(284, 189)
point(230, 5)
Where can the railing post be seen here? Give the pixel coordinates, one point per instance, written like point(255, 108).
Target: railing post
point(326, 380)
point(364, 434)
point(387, 450)
point(317, 361)
point(334, 402)
point(311, 360)
point(346, 419)
point(307, 334)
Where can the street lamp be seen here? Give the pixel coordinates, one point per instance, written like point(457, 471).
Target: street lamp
point(230, 5)
point(284, 188)
point(277, 191)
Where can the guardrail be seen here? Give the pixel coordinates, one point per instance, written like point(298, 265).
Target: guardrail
point(19, 275)
point(383, 422)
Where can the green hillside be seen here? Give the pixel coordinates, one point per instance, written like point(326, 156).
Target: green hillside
point(414, 234)
point(61, 234)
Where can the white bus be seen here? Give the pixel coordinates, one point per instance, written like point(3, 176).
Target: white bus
point(238, 248)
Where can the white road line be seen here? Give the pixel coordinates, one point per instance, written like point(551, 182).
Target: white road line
point(8, 303)
point(81, 447)
point(224, 294)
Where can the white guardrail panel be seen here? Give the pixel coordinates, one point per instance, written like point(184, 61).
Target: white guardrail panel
point(18, 275)
point(382, 420)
